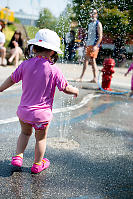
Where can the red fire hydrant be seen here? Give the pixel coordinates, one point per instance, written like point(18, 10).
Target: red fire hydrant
point(107, 70)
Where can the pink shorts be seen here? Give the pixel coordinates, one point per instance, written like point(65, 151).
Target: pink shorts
point(39, 126)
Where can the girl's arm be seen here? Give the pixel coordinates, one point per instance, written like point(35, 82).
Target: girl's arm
point(129, 69)
point(6, 84)
point(126, 73)
point(71, 90)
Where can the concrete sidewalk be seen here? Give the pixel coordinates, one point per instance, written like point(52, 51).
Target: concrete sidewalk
point(89, 147)
point(73, 71)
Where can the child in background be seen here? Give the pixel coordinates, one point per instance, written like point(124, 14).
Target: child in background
point(39, 76)
point(80, 51)
point(2, 42)
point(16, 45)
point(129, 69)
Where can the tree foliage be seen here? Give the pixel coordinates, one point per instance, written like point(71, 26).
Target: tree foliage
point(115, 15)
point(64, 21)
point(81, 9)
point(46, 20)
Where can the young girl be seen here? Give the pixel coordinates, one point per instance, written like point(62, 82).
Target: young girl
point(16, 45)
point(39, 76)
point(129, 69)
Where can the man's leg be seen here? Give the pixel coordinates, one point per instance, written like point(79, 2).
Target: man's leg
point(94, 69)
point(84, 67)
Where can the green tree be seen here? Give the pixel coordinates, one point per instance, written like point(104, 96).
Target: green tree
point(46, 20)
point(115, 22)
point(115, 15)
point(64, 21)
point(120, 14)
point(81, 9)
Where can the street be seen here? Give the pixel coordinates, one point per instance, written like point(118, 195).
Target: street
point(89, 145)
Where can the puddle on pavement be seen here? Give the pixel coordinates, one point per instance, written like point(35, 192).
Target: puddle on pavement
point(105, 133)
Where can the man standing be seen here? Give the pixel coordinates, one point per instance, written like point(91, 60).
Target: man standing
point(92, 45)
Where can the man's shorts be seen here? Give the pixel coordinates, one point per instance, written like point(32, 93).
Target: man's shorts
point(90, 52)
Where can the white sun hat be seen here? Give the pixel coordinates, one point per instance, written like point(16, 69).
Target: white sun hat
point(48, 39)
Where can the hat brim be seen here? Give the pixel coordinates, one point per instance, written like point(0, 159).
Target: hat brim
point(45, 45)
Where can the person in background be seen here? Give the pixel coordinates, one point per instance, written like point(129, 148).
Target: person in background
point(2, 42)
point(92, 45)
point(71, 47)
point(119, 52)
point(69, 43)
point(129, 69)
point(40, 77)
point(80, 50)
point(16, 45)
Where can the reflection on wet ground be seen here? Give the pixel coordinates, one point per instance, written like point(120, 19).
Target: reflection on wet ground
point(89, 147)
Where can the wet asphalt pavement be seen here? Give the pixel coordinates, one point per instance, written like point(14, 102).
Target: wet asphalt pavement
point(90, 144)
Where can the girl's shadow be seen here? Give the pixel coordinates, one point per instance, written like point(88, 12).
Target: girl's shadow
point(7, 169)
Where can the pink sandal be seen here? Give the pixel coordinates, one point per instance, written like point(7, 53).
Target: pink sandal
point(17, 161)
point(38, 168)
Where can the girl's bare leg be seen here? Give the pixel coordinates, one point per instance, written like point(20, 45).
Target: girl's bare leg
point(18, 53)
point(13, 52)
point(131, 93)
point(16, 59)
point(26, 131)
point(40, 147)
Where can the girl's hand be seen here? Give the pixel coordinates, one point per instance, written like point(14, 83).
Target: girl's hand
point(76, 92)
point(71, 90)
point(126, 73)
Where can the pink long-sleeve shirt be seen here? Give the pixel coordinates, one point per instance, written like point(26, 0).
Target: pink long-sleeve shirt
point(39, 80)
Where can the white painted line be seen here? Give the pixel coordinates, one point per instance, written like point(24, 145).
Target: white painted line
point(9, 120)
point(84, 101)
